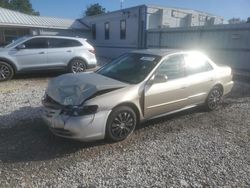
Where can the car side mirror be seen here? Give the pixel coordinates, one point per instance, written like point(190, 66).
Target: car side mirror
point(158, 78)
point(21, 47)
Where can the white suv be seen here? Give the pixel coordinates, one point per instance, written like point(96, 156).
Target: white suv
point(32, 53)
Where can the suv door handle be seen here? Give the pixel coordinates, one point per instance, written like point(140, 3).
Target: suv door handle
point(69, 51)
point(41, 53)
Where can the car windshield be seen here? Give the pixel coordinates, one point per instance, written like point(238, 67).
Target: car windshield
point(131, 68)
point(15, 42)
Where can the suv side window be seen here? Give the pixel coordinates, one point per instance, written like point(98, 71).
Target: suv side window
point(63, 43)
point(196, 63)
point(172, 67)
point(36, 43)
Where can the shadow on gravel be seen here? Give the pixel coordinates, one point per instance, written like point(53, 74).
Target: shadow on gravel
point(31, 140)
point(38, 74)
point(165, 119)
point(240, 90)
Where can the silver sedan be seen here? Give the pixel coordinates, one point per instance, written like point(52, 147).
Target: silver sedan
point(135, 87)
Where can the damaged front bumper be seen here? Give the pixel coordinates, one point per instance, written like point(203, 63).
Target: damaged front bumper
point(83, 128)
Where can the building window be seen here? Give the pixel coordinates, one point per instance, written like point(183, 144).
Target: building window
point(106, 28)
point(93, 31)
point(123, 29)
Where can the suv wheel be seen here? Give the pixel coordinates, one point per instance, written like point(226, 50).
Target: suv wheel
point(6, 71)
point(77, 65)
point(121, 123)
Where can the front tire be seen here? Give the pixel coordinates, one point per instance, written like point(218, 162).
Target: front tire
point(77, 66)
point(214, 98)
point(121, 123)
point(6, 71)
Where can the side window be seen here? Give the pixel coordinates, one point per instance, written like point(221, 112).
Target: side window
point(36, 43)
point(63, 43)
point(196, 63)
point(172, 67)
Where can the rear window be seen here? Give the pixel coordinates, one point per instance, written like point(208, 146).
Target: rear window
point(63, 43)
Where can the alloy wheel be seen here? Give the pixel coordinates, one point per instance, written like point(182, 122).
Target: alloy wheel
point(78, 66)
point(5, 72)
point(214, 98)
point(123, 124)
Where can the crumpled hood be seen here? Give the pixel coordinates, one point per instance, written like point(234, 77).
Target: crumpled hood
point(74, 89)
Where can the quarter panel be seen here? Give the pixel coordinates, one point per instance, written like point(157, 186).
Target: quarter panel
point(130, 94)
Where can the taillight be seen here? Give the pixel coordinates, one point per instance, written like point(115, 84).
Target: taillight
point(92, 51)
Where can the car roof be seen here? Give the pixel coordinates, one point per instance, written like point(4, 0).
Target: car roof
point(158, 51)
point(59, 37)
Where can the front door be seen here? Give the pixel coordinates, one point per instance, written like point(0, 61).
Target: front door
point(164, 97)
point(33, 55)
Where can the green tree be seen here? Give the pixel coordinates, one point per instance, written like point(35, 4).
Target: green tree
point(23, 6)
point(94, 9)
point(4, 3)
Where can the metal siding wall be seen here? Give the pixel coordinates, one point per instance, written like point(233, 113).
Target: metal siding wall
point(131, 16)
point(61, 32)
point(225, 44)
point(112, 52)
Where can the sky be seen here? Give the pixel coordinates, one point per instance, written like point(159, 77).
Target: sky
point(75, 8)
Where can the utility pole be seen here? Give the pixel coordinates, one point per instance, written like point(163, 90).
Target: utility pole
point(121, 4)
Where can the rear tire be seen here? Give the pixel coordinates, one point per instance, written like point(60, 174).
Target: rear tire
point(77, 66)
point(121, 123)
point(214, 98)
point(6, 71)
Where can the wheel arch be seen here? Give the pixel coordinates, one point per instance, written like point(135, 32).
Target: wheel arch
point(78, 57)
point(133, 107)
point(10, 63)
point(220, 86)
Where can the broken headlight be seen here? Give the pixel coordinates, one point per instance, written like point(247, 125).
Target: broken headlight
point(80, 110)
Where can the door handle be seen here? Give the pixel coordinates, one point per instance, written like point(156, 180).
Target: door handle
point(41, 53)
point(69, 51)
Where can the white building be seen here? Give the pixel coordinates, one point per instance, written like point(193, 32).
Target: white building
point(112, 33)
point(116, 32)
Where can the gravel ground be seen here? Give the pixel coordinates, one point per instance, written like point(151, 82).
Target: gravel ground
point(188, 149)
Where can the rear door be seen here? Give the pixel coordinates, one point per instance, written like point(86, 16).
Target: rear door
point(61, 51)
point(161, 98)
point(34, 55)
point(200, 75)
